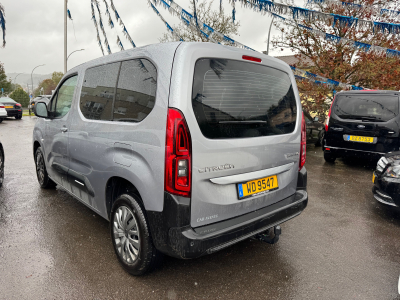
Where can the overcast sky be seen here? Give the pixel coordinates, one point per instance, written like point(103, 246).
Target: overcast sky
point(35, 31)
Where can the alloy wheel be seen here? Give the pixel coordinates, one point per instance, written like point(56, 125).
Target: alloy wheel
point(126, 234)
point(40, 167)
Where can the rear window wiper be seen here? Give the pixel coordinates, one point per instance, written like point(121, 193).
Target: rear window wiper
point(243, 122)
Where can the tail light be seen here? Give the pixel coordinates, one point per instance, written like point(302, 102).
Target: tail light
point(329, 116)
point(18, 104)
point(178, 162)
point(2, 106)
point(303, 143)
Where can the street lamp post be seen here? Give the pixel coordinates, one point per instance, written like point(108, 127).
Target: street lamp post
point(65, 36)
point(15, 79)
point(73, 53)
point(269, 33)
point(32, 74)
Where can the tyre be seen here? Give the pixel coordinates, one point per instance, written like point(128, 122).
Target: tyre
point(329, 157)
point(43, 178)
point(1, 120)
point(131, 237)
point(320, 141)
point(18, 117)
point(1, 167)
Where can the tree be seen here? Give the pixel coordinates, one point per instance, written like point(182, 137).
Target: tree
point(338, 61)
point(216, 19)
point(20, 96)
point(3, 23)
point(4, 83)
point(56, 77)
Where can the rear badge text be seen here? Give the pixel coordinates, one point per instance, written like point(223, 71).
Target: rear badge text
point(219, 168)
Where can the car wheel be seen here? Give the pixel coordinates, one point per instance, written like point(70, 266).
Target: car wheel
point(1, 167)
point(43, 178)
point(1, 120)
point(320, 141)
point(18, 117)
point(131, 237)
point(329, 157)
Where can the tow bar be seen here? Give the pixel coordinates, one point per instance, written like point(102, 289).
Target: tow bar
point(264, 237)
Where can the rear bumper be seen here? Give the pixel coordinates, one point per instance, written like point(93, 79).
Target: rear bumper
point(185, 242)
point(14, 112)
point(338, 152)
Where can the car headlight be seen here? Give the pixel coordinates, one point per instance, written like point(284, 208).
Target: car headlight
point(393, 171)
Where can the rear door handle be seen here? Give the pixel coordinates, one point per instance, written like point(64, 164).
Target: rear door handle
point(64, 129)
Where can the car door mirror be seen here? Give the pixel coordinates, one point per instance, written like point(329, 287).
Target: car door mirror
point(40, 110)
point(316, 119)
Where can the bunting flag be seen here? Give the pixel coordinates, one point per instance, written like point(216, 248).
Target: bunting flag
point(119, 43)
point(176, 10)
point(3, 24)
point(124, 30)
point(110, 22)
point(165, 22)
point(339, 40)
point(97, 28)
point(299, 13)
point(102, 27)
point(367, 8)
point(69, 14)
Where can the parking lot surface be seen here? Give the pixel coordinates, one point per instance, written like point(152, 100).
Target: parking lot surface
point(343, 246)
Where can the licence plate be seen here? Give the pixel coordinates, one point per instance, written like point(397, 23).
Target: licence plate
point(258, 186)
point(9, 106)
point(373, 177)
point(360, 139)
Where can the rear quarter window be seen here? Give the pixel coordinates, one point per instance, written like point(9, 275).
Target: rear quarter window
point(235, 99)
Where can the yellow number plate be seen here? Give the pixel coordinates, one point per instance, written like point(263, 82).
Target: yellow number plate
point(9, 106)
point(360, 139)
point(257, 186)
point(373, 177)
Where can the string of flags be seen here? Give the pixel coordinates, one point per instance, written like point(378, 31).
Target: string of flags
point(164, 21)
point(97, 28)
point(369, 8)
point(299, 13)
point(190, 20)
point(124, 30)
point(176, 10)
point(102, 27)
point(339, 40)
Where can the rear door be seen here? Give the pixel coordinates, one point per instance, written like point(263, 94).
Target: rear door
point(244, 120)
point(365, 121)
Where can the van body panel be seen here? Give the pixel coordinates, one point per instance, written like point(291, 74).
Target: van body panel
point(212, 202)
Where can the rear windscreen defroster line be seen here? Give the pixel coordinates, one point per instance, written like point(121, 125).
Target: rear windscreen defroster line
point(235, 99)
point(370, 107)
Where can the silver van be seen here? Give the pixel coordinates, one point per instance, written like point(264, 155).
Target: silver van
point(187, 148)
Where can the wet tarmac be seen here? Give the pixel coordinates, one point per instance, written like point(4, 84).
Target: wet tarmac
point(343, 246)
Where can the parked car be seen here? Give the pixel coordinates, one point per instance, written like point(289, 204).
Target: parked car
point(315, 130)
point(386, 179)
point(3, 113)
point(44, 98)
point(13, 108)
point(159, 141)
point(2, 158)
point(362, 123)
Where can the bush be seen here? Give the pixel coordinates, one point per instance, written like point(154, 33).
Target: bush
point(20, 96)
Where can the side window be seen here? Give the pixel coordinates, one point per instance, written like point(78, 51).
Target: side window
point(64, 97)
point(98, 89)
point(136, 90)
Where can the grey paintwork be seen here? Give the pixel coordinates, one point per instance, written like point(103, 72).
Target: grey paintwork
point(92, 152)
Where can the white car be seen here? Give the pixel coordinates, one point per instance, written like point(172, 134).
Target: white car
point(3, 113)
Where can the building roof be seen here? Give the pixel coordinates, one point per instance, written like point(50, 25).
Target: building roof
point(293, 61)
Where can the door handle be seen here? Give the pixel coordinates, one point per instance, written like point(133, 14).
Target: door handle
point(64, 129)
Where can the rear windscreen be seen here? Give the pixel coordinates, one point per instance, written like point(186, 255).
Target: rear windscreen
point(235, 99)
point(371, 107)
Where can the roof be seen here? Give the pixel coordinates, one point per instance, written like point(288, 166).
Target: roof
point(294, 61)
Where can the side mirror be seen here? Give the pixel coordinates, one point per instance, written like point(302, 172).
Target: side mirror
point(40, 110)
point(316, 119)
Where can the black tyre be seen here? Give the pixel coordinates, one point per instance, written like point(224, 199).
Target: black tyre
point(1, 120)
point(18, 117)
point(320, 141)
point(1, 166)
point(131, 237)
point(43, 178)
point(329, 157)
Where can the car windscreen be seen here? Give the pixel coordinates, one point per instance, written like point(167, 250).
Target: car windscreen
point(236, 99)
point(7, 100)
point(369, 107)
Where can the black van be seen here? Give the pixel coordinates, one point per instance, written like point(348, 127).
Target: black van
point(362, 123)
